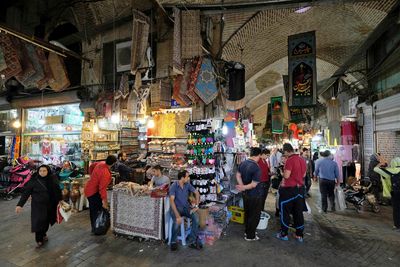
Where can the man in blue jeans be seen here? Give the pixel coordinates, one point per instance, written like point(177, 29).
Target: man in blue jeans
point(180, 207)
point(327, 171)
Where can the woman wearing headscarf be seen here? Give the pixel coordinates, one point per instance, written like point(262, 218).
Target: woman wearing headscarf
point(391, 185)
point(46, 194)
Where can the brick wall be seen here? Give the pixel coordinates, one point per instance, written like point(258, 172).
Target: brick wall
point(388, 144)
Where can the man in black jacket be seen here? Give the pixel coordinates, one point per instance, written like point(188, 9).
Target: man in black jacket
point(121, 167)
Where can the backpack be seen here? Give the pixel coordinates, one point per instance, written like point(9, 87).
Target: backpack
point(394, 179)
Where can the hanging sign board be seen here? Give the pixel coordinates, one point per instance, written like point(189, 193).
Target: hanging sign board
point(277, 114)
point(302, 70)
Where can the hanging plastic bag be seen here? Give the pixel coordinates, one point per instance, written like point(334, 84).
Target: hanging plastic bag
point(102, 223)
point(340, 199)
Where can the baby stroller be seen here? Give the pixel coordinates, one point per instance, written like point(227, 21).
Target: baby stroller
point(360, 194)
point(15, 178)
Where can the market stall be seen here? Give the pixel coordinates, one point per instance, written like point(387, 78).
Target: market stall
point(135, 213)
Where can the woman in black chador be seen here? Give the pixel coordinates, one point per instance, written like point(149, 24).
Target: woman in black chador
point(45, 192)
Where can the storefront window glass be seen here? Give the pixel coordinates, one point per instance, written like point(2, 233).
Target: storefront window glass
point(53, 134)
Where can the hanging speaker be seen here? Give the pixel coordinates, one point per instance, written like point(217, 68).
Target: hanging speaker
point(236, 75)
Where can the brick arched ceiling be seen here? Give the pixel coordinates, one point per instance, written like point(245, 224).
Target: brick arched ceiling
point(261, 44)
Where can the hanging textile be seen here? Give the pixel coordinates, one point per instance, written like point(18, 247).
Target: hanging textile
point(12, 60)
point(164, 57)
point(182, 100)
point(140, 38)
point(141, 100)
point(196, 67)
point(302, 69)
point(131, 105)
point(348, 132)
point(236, 86)
point(38, 75)
point(26, 64)
point(182, 118)
point(3, 64)
point(206, 85)
point(277, 114)
point(48, 75)
point(177, 43)
point(123, 89)
point(59, 71)
point(191, 38)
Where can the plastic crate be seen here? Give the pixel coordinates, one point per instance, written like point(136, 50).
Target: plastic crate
point(237, 214)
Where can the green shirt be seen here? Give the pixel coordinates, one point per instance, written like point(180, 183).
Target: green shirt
point(385, 178)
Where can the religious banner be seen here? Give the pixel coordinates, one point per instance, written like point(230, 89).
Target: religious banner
point(277, 114)
point(285, 79)
point(302, 70)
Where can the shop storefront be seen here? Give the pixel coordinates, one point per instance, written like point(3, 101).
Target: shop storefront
point(7, 131)
point(51, 135)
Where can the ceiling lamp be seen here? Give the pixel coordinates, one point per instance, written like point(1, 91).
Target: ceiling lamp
point(302, 9)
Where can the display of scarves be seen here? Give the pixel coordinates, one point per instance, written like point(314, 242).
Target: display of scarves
point(11, 57)
point(48, 75)
point(59, 71)
point(177, 45)
point(194, 73)
point(33, 80)
point(26, 64)
point(140, 37)
point(191, 38)
point(206, 85)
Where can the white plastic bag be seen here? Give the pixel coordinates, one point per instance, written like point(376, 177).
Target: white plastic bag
point(340, 199)
point(65, 210)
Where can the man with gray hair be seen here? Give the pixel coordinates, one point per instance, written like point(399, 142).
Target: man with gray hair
point(327, 171)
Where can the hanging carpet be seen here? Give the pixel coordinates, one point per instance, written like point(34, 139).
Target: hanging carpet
point(33, 80)
point(59, 71)
point(26, 64)
point(191, 38)
point(12, 61)
point(48, 75)
point(206, 86)
point(194, 73)
point(177, 43)
point(140, 39)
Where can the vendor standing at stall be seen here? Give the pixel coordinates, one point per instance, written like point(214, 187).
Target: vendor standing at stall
point(96, 187)
point(158, 178)
point(180, 207)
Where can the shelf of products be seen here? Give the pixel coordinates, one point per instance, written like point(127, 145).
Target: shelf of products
point(97, 145)
point(53, 134)
point(129, 140)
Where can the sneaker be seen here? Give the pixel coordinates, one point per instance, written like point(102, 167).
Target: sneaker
point(299, 239)
point(256, 238)
point(246, 234)
point(282, 237)
point(196, 245)
point(174, 247)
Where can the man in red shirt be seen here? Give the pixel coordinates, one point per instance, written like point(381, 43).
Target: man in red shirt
point(265, 170)
point(96, 187)
point(291, 194)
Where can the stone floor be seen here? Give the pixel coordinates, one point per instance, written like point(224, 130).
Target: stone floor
point(334, 239)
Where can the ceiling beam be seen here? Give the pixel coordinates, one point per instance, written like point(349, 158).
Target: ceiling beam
point(254, 6)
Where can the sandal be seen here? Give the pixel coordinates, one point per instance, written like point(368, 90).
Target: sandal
point(39, 244)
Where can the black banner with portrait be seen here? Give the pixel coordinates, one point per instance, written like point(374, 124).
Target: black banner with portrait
point(302, 70)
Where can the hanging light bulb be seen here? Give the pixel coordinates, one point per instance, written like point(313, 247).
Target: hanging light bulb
point(115, 118)
point(150, 124)
point(95, 128)
point(16, 124)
